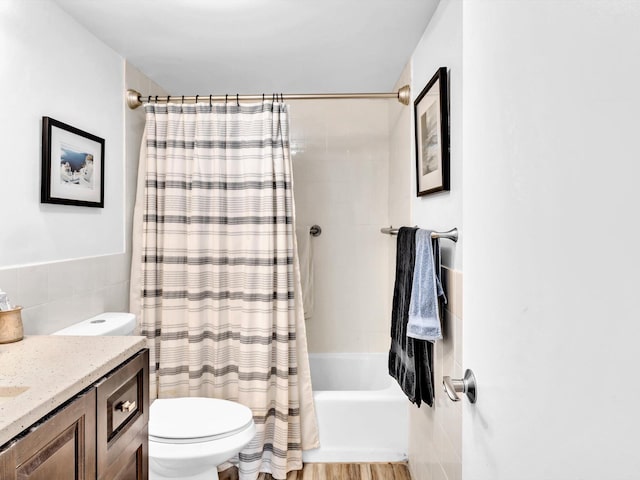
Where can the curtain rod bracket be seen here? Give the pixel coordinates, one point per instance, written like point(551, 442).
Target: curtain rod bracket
point(404, 94)
point(133, 99)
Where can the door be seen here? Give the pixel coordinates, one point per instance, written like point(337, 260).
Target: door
point(551, 235)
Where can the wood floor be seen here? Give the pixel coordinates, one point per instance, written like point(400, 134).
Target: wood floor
point(338, 471)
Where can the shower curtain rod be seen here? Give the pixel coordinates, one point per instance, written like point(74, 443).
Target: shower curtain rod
point(134, 98)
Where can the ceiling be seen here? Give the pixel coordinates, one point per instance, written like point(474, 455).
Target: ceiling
point(255, 46)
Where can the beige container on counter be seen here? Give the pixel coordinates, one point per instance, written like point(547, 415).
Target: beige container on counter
point(11, 325)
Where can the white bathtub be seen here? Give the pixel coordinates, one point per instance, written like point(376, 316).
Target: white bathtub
point(362, 413)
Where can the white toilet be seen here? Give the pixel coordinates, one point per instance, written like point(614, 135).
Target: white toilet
point(188, 437)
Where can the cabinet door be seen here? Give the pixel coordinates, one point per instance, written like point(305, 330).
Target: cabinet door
point(122, 417)
point(131, 463)
point(61, 447)
point(7, 464)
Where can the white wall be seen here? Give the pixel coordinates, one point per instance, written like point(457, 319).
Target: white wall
point(441, 46)
point(435, 445)
point(51, 66)
point(55, 294)
point(551, 103)
point(340, 168)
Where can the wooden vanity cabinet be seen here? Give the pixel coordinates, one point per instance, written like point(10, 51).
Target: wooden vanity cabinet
point(61, 447)
point(101, 434)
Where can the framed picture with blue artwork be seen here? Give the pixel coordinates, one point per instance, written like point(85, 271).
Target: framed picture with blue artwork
point(432, 135)
point(72, 165)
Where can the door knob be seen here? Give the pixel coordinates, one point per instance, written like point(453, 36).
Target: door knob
point(466, 385)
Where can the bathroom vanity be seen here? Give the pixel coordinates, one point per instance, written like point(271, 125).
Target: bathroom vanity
point(74, 407)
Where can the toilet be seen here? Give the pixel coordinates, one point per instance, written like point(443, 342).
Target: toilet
point(188, 437)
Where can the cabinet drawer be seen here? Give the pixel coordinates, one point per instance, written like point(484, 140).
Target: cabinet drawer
point(122, 410)
point(124, 404)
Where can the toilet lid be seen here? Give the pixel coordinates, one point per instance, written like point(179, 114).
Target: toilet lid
point(183, 420)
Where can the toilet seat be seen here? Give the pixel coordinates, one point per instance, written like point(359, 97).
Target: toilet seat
point(196, 420)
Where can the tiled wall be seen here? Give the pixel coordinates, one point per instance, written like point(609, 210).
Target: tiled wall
point(400, 186)
point(341, 168)
point(55, 295)
point(435, 434)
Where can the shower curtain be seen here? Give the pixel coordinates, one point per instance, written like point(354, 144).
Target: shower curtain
point(215, 276)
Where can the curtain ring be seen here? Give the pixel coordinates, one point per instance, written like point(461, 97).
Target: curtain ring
point(210, 98)
point(183, 99)
point(156, 98)
point(263, 98)
point(168, 99)
point(197, 99)
point(238, 99)
point(149, 99)
point(226, 98)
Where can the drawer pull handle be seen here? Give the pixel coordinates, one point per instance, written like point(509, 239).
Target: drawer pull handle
point(126, 406)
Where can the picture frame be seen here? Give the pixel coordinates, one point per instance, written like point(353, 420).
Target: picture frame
point(72, 165)
point(431, 109)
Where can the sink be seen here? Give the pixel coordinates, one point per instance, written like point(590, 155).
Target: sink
point(8, 393)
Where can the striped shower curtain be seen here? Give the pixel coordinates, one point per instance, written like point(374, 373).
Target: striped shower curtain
point(215, 277)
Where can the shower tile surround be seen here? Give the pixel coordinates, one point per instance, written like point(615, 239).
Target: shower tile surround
point(352, 313)
point(341, 168)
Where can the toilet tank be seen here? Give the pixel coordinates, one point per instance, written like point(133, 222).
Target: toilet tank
point(108, 323)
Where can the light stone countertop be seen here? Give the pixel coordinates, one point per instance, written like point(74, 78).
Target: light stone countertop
point(54, 368)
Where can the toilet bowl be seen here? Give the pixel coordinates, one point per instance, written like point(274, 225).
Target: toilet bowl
point(188, 437)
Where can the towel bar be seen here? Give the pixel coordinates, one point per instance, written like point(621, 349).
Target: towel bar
point(449, 235)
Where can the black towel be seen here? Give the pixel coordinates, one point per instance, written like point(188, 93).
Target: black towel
point(410, 360)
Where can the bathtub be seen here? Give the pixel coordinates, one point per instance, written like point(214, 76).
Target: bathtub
point(362, 413)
